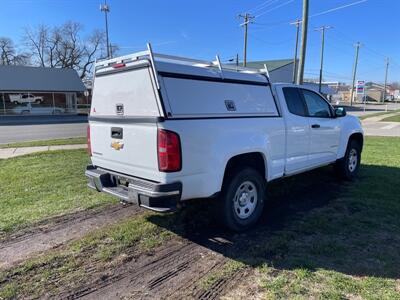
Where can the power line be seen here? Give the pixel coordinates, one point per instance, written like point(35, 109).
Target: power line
point(274, 8)
point(261, 6)
point(337, 8)
point(286, 41)
point(313, 15)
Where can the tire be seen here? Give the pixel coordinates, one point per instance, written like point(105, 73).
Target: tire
point(347, 168)
point(242, 199)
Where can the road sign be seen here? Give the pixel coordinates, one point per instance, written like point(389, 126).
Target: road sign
point(360, 87)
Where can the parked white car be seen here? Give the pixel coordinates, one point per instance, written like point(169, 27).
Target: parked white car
point(37, 110)
point(25, 98)
point(163, 130)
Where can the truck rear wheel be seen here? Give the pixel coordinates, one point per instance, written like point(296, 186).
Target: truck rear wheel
point(348, 166)
point(242, 199)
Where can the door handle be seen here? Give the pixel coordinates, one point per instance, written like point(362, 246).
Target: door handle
point(315, 126)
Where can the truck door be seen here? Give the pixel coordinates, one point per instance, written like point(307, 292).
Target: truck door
point(324, 129)
point(297, 131)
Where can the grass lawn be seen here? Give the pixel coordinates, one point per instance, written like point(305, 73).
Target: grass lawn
point(346, 247)
point(395, 118)
point(68, 141)
point(43, 185)
point(377, 114)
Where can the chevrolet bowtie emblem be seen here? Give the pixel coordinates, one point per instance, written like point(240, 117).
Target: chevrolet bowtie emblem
point(117, 145)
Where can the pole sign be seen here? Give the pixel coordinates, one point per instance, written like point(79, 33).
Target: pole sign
point(360, 87)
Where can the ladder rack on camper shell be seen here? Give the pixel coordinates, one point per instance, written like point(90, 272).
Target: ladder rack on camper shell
point(149, 54)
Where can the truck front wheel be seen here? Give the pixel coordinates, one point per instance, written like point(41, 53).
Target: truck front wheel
point(348, 166)
point(242, 199)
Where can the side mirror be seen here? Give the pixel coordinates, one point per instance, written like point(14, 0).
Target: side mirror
point(340, 112)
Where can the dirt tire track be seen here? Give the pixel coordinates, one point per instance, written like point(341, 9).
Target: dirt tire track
point(56, 231)
point(221, 286)
point(128, 273)
point(173, 272)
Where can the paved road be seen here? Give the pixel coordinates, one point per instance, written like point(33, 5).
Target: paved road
point(37, 119)
point(21, 133)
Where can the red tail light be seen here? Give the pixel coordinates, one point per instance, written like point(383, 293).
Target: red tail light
point(169, 151)
point(118, 66)
point(89, 144)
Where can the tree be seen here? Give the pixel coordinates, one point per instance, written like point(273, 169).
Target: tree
point(64, 47)
point(9, 54)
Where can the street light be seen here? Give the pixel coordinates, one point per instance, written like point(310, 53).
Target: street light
point(106, 9)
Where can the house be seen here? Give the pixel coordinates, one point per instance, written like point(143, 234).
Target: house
point(38, 90)
point(374, 91)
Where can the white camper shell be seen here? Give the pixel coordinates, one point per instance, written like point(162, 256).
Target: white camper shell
point(134, 95)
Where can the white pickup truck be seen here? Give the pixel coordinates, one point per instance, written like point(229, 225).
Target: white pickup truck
point(164, 129)
point(25, 98)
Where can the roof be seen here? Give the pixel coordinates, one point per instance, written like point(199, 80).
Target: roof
point(271, 64)
point(31, 79)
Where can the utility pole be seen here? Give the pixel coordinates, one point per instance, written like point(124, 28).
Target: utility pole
point(297, 24)
point(386, 75)
point(106, 9)
point(322, 29)
point(247, 19)
point(358, 45)
point(304, 27)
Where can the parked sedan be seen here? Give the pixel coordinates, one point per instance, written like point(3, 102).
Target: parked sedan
point(37, 110)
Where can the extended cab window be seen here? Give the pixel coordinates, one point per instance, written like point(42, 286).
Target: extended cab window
point(294, 101)
point(316, 105)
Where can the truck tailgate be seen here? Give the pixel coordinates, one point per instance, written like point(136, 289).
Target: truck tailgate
point(135, 154)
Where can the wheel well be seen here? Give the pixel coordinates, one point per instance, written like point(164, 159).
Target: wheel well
point(253, 159)
point(358, 137)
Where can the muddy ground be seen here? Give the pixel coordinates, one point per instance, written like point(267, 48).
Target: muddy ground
point(179, 268)
point(57, 231)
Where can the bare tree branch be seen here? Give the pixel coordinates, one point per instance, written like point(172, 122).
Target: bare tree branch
point(9, 55)
point(64, 47)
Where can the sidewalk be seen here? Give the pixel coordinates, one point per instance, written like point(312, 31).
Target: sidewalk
point(378, 118)
point(13, 152)
point(375, 127)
